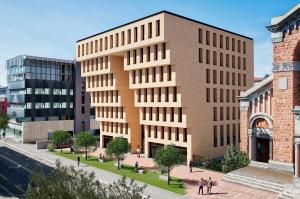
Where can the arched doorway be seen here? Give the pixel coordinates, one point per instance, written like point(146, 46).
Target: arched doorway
point(260, 140)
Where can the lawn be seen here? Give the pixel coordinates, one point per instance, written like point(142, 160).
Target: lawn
point(149, 177)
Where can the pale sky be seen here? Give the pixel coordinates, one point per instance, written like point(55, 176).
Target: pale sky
point(51, 28)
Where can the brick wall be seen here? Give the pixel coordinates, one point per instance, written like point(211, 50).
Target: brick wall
point(244, 131)
point(285, 100)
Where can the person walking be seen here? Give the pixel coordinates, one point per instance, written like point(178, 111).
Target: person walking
point(3, 136)
point(78, 160)
point(191, 164)
point(201, 184)
point(136, 167)
point(209, 185)
point(138, 150)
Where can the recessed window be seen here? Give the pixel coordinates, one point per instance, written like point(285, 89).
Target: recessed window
point(215, 94)
point(228, 134)
point(215, 114)
point(135, 34)
point(155, 52)
point(215, 39)
point(157, 28)
point(207, 38)
point(163, 56)
point(141, 55)
point(207, 94)
point(142, 32)
point(207, 76)
point(123, 38)
point(200, 36)
point(200, 55)
point(221, 41)
point(215, 77)
point(128, 36)
point(222, 135)
point(215, 136)
point(207, 57)
point(233, 44)
point(149, 30)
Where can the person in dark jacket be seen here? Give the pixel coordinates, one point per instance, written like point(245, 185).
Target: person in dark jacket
point(201, 185)
point(78, 160)
point(191, 164)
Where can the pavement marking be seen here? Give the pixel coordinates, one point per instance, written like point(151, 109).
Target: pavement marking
point(17, 164)
point(7, 191)
point(2, 176)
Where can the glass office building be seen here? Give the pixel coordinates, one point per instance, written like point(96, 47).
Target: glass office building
point(40, 89)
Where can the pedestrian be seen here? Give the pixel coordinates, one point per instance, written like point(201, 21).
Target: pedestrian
point(78, 160)
point(209, 185)
point(3, 136)
point(136, 166)
point(201, 184)
point(191, 164)
point(138, 150)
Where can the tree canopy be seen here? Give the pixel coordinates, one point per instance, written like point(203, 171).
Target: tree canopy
point(233, 159)
point(61, 139)
point(167, 158)
point(4, 119)
point(68, 183)
point(117, 148)
point(85, 140)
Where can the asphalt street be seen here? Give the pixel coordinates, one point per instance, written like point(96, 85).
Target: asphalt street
point(15, 170)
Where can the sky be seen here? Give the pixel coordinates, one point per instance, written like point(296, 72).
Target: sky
point(51, 28)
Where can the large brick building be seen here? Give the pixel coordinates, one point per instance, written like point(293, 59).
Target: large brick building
point(269, 126)
point(168, 79)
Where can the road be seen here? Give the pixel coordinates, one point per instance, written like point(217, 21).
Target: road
point(15, 170)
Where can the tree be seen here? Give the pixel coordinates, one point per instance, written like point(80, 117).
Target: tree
point(61, 139)
point(233, 159)
point(67, 182)
point(4, 118)
point(117, 148)
point(85, 139)
point(167, 158)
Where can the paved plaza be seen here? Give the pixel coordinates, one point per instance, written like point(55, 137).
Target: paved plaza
point(222, 189)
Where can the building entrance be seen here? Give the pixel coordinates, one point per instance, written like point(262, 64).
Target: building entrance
point(263, 150)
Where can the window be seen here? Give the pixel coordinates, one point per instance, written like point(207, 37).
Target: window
point(157, 113)
point(227, 60)
point(207, 94)
point(227, 95)
point(207, 76)
point(239, 62)
point(221, 95)
point(155, 52)
point(180, 114)
point(234, 134)
point(244, 80)
point(221, 41)
point(134, 56)
point(239, 46)
point(207, 38)
point(111, 41)
point(148, 53)
point(244, 63)
point(140, 75)
point(239, 133)
point(153, 74)
point(78, 51)
point(141, 55)
point(214, 58)
point(215, 39)
point(184, 135)
point(155, 131)
point(233, 61)
point(105, 43)
point(169, 73)
point(233, 113)
point(233, 79)
point(227, 78)
point(135, 34)
point(200, 55)
point(123, 38)
point(149, 30)
point(227, 43)
point(169, 133)
point(175, 94)
point(162, 132)
point(233, 44)
point(221, 113)
point(221, 59)
point(214, 76)
point(163, 55)
point(150, 113)
point(167, 94)
point(128, 57)
point(221, 77)
point(142, 32)
point(227, 113)
point(233, 95)
point(177, 134)
point(82, 49)
point(228, 134)
point(128, 36)
point(133, 77)
point(239, 79)
point(164, 114)
point(215, 114)
point(159, 94)
point(101, 44)
point(161, 73)
point(139, 95)
point(152, 94)
point(144, 113)
point(222, 135)
point(91, 47)
point(207, 57)
point(200, 36)
point(215, 95)
point(157, 28)
point(82, 110)
point(215, 136)
point(147, 75)
point(117, 40)
point(172, 114)
point(244, 46)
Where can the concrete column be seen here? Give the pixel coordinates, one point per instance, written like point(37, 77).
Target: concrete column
point(271, 148)
point(253, 107)
point(297, 160)
point(252, 145)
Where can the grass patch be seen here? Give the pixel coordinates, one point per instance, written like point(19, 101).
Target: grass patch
point(149, 177)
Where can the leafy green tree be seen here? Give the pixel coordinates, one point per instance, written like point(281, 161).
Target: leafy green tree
point(117, 148)
point(167, 158)
point(85, 139)
point(233, 159)
point(61, 139)
point(4, 118)
point(68, 183)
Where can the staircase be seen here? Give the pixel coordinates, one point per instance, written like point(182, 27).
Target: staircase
point(264, 184)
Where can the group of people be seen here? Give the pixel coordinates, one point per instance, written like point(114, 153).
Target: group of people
point(208, 183)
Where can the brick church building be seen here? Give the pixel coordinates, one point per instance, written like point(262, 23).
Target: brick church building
point(270, 125)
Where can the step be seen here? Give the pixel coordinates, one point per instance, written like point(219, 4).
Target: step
point(254, 182)
point(262, 165)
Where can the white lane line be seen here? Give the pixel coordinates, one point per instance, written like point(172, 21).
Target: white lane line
point(7, 191)
point(17, 164)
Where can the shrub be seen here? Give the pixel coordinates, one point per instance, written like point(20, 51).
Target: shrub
point(50, 147)
point(234, 159)
point(211, 163)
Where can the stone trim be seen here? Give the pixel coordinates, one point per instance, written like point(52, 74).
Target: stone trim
point(265, 116)
point(286, 66)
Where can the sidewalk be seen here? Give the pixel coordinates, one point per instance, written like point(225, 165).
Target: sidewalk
point(104, 176)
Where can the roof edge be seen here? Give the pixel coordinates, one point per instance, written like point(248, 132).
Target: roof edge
point(254, 88)
point(167, 12)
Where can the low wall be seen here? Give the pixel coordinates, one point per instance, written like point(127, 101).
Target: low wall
point(43, 144)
